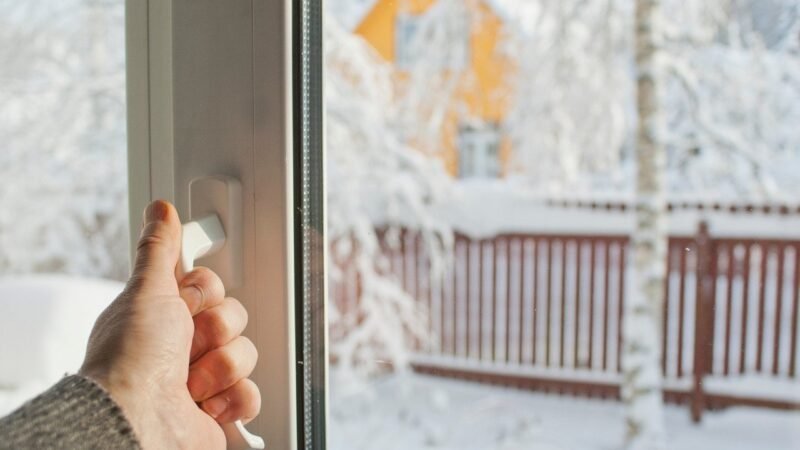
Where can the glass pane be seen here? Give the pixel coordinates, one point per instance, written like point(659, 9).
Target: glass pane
point(63, 184)
point(311, 327)
point(563, 224)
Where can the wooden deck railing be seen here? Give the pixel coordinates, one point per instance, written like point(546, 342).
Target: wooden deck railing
point(545, 312)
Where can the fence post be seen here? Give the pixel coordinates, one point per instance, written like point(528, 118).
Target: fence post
point(704, 313)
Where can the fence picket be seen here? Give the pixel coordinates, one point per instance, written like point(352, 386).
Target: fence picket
point(681, 306)
point(521, 280)
point(620, 299)
point(606, 300)
point(761, 306)
point(778, 306)
point(592, 272)
point(508, 301)
point(795, 318)
point(745, 304)
point(577, 323)
point(563, 318)
point(729, 309)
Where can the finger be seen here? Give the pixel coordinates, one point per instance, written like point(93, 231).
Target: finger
point(217, 326)
point(242, 401)
point(201, 289)
point(221, 368)
point(158, 250)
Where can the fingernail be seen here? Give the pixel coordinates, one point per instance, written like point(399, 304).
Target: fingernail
point(156, 211)
point(215, 406)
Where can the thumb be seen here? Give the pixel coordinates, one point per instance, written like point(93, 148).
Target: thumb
point(158, 250)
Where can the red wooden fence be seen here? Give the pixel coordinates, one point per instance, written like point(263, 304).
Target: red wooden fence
point(544, 312)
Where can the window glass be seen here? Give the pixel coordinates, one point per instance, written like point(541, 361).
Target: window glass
point(563, 224)
point(407, 26)
point(478, 152)
point(63, 184)
point(309, 221)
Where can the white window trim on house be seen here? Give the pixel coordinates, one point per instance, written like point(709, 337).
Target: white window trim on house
point(479, 151)
point(406, 26)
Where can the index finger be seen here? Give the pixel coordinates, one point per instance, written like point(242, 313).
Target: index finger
point(201, 289)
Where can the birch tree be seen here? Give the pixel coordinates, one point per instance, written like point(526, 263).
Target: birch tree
point(641, 388)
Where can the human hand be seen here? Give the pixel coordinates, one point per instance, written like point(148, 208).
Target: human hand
point(165, 346)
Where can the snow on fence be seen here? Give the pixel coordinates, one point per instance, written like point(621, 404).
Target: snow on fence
point(543, 312)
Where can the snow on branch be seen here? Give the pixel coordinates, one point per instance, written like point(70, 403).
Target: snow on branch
point(731, 96)
point(376, 180)
point(62, 156)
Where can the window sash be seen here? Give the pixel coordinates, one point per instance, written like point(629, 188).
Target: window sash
point(234, 88)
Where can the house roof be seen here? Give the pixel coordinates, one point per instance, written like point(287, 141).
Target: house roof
point(350, 13)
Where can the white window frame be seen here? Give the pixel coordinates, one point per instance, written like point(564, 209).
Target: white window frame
point(212, 91)
point(465, 165)
point(405, 27)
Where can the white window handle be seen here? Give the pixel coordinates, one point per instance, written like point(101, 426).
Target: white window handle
point(200, 238)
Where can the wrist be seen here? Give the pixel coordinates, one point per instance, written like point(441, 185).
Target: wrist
point(154, 428)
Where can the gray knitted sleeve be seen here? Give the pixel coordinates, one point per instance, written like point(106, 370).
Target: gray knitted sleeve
point(76, 413)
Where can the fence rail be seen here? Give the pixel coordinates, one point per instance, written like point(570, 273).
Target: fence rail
point(544, 311)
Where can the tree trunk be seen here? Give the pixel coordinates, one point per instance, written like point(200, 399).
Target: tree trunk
point(641, 388)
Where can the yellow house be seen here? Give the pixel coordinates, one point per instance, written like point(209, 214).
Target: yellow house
point(471, 140)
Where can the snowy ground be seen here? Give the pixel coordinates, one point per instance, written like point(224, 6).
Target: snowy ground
point(45, 322)
point(424, 412)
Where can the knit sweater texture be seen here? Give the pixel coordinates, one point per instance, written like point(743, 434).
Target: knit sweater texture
point(76, 413)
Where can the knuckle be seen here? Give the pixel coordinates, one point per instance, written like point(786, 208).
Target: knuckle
point(250, 348)
point(219, 330)
point(195, 277)
point(240, 311)
point(206, 280)
point(228, 364)
point(151, 236)
point(237, 360)
point(201, 293)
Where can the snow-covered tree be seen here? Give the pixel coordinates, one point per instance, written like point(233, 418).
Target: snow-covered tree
point(733, 97)
point(571, 94)
point(375, 180)
point(62, 138)
point(731, 89)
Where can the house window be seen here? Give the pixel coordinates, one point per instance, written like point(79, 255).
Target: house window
point(431, 42)
point(479, 152)
point(406, 28)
